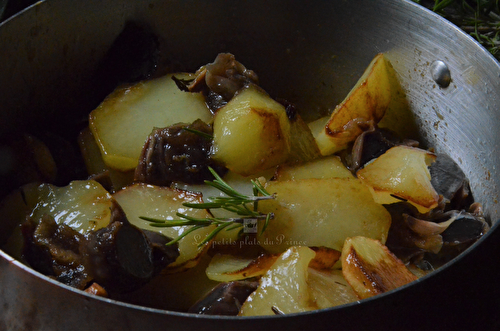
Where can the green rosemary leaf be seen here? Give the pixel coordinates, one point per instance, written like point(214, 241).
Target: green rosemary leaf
point(441, 4)
point(192, 229)
point(235, 226)
point(212, 234)
point(258, 185)
point(233, 202)
point(266, 223)
point(207, 205)
point(199, 133)
point(154, 220)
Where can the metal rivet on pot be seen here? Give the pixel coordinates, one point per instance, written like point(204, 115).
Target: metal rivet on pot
point(441, 73)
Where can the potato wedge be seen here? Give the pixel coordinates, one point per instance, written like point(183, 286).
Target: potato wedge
point(163, 203)
point(284, 287)
point(401, 173)
point(321, 212)
point(123, 121)
point(367, 101)
point(251, 133)
point(325, 167)
point(370, 268)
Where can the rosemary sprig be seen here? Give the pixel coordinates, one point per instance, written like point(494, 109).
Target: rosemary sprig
point(479, 18)
point(244, 206)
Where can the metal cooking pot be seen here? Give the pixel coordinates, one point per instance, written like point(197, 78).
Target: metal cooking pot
point(310, 52)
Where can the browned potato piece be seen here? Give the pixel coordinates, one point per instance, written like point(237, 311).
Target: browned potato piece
point(227, 268)
point(367, 101)
point(401, 173)
point(325, 258)
point(321, 212)
point(251, 133)
point(370, 268)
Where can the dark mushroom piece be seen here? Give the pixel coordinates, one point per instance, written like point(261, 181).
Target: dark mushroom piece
point(225, 298)
point(449, 180)
point(176, 153)
point(221, 80)
point(372, 143)
point(438, 236)
point(55, 250)
point(466, 228)
point(120, 257)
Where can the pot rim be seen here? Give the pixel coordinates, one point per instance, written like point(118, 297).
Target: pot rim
point(457, 259)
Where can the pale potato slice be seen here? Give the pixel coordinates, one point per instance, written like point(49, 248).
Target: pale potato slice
point(123, 121)
point(321, 212)
point(328, 288)
point(227, 268)
point(83, 205)
point(325, 167)
point(370, 268)
point(401, 173)
point(163, 203)
point(95, 164)
point(251, 133)
point(367, 101)
point(284, 286)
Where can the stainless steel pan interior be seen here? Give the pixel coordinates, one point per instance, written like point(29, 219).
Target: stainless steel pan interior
point(310, 52)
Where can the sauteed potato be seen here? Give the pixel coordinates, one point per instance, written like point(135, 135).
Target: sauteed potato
point(288, 216)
